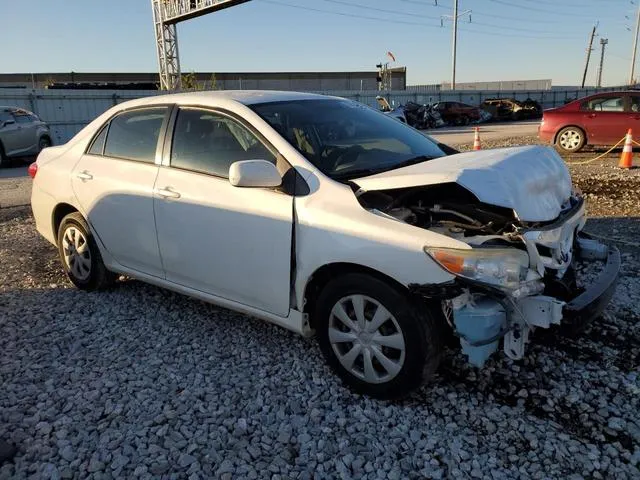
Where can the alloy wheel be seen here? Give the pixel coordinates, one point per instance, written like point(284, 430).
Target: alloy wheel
point(77, 255)
point(366, 339)
point(570, 140)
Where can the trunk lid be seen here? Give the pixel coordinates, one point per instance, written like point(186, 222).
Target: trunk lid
point(533, 180)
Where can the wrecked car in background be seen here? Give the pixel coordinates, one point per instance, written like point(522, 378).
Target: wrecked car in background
point(326, 217)
point(418, 116)
point(457, 113)
point(511, 109)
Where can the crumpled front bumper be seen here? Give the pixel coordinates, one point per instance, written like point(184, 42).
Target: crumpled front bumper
point(590, 304)
point(481, 315)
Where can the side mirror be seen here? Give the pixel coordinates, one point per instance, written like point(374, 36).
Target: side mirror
point(254, 173)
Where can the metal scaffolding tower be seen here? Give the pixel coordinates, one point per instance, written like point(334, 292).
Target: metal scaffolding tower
point(166, 15)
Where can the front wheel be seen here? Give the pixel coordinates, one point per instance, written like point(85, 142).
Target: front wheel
point(570, 139)
point(374, 337)
point(80, 256)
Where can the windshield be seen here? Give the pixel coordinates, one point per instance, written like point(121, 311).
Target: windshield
point(345, 139)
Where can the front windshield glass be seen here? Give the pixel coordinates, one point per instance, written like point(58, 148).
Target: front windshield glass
point(346, 139)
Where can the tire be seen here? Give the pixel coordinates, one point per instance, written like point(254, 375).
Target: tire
point(91, 274)
point(3, 157)
point(570, 139)
point(43, 143)
point(410, 353)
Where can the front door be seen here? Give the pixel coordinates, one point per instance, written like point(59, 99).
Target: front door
point(114, 182)
point(10, 134)
point(27, 132)
point(605, 119)
point(227, 241)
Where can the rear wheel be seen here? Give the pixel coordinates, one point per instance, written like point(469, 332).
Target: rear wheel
point(44, 143)
point(3, 157)
point(570, 139)
point(80, 256)
point(374, 337)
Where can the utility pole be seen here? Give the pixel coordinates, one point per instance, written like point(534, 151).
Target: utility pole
point(635, 45)
point(603, 44)
point(455, 17)
point(589, 48)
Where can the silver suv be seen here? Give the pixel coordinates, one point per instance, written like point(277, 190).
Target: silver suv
point(22, 134)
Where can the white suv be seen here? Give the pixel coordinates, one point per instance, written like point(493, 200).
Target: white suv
point(325, 216)
point(22, 134)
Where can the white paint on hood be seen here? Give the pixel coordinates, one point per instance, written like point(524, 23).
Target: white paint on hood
point(533, 181)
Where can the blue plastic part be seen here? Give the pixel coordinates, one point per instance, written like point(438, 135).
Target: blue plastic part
point(477, 323)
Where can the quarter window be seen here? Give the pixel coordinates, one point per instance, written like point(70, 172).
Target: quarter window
point(208, 142)
point(134, 135)
point(605, 104)
point(97, 147)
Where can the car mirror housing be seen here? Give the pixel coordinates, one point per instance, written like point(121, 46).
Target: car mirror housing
point(254, 173)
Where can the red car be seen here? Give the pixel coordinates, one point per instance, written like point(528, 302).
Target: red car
point(601, 119)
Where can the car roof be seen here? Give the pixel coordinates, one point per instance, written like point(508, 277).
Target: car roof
point(245, 97)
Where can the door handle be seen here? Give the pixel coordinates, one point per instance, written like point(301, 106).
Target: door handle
point(84, 175)
point(636, 117)
point(167, 192)
point(592, 115)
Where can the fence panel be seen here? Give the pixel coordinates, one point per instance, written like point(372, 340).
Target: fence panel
point(68, 111)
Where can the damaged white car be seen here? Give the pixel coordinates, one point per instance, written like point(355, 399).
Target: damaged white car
point(325, 217)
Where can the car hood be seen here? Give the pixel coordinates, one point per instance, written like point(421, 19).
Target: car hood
point(533, 181)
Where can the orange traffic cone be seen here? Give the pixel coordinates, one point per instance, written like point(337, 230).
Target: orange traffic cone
point(476, 139)
point(626, 159)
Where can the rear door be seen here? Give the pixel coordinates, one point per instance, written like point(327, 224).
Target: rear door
point(633, 112)
point(114, 182)
point(605, 119)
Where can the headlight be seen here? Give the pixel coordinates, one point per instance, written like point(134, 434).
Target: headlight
point(505, 268)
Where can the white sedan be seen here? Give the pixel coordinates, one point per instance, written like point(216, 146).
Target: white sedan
point(326, 217)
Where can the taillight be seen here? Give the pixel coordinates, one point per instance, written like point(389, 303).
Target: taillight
point(33, 169)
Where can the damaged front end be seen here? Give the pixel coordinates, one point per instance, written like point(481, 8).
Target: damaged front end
point(517, 276)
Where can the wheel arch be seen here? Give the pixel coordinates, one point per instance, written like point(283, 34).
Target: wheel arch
point(582, 129)
point(60, 211)
point(324, 274)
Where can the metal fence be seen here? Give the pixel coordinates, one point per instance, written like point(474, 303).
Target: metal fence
point(67, 111)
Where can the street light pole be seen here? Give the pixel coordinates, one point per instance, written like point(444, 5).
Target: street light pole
point(454, 42)
point(635, 45)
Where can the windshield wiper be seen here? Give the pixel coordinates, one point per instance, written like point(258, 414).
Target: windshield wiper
point(363, 172)
point(412, 161)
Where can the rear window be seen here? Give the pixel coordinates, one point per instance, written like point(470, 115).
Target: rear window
point(134, 135)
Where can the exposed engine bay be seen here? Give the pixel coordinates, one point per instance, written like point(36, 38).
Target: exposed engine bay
point(450, 208)
point(546, 293)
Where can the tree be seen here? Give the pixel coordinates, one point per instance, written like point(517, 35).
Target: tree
point(190, 82)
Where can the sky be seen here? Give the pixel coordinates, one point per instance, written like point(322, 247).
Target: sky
point(506, 39)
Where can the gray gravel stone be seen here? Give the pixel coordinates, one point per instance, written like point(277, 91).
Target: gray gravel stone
point(150, 384)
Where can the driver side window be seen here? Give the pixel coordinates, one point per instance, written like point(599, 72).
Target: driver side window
point(208, 142)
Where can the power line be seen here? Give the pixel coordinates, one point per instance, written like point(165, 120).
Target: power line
point(395, 12)
point(351, 15)
point(375, 9)
point(532, 9)
point(406, 22)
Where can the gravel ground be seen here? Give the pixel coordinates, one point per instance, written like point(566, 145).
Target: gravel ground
point(139, 382)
